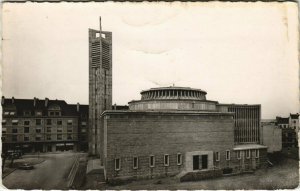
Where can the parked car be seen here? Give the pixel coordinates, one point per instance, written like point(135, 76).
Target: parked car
point(26, 166)
point(14, 154)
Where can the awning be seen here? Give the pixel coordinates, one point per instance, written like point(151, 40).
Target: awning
point(69, 144)
point(38, 135)
point(70, 121)
point(248, 147)
point(15, 121)
point(3, 129)
point(4, 121)
point(83, 123)
point(83, 130)
point(60, 144)
point(25, 146)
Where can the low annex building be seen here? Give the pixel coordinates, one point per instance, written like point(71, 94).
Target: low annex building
point(175, 130)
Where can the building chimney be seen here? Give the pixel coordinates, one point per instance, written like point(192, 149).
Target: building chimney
point(2, 100)
point(46, 102)
point(34, 101)
point(12, 100)
point(78, 107)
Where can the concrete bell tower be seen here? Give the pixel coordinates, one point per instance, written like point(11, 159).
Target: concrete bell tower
point(100, 84)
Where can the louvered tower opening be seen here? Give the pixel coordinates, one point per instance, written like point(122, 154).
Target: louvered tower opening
point(105, 55)
point(95, 49)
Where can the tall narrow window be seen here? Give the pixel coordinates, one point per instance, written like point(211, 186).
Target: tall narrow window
point(49, 122)
point(166, 160)
point(179, 159)
point(152, 161)
point(117, 164)
point(26, 122)
point(238, 154)
point(38, 121)
point(227, 155)
point(248, 154)
point(257, 153)
point(135, 162)
point(26, 129)
point(217, 156)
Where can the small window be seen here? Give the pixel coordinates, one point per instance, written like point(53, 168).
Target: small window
point(59, 122)
point(38, 113)
point(26, 129)
point(166, 160)
point(14, 130)
point(14, 138)
point(26, 122)
point(26, 138)
point(3, 130)
point(117, 164)
point(69, 137)
point(70, 122)
point(179, 159)
point(217, 156)
point(51, 113)
point(257, 153)
point(3, 122)
point(48, 137)
point(38, 121)
point(38, 138)
point(57, 113)
point(135, 162)
point(48, 129)
point(227, 155)
point(49, 121)
point(238, 154)
point(152, 161)
point(38, 130)
point(70, 130)
point(15, 122)
point(59, 137)
point(248, 154)
point(59, 130)
point(27, 113)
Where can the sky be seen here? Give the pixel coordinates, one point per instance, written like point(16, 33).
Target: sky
point(243, 53)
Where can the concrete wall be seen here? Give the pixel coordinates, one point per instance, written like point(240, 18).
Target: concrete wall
point(130, 134)
point(272, 137)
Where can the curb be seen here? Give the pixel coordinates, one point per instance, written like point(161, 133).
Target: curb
point(73, 171)
point(3, 176)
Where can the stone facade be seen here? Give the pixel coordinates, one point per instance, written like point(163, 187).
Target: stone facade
point(43, 125)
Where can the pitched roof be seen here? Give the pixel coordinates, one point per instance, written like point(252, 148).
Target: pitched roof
point(31, 105)
point(282, 120)
point(294, 116)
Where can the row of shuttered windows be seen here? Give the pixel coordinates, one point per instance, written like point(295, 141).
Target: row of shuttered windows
point(179, 159)
point(151, 161)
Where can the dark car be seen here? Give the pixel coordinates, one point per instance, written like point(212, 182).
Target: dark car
point(26, 166)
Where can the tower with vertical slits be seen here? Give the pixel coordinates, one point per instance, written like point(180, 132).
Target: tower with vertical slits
point(100, 84)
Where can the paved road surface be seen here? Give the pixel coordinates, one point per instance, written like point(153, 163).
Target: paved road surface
point(50, 174)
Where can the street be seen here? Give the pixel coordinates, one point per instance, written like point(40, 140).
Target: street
point(281, 176)
point(50, 174)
